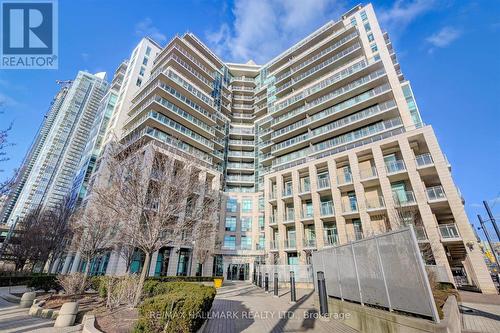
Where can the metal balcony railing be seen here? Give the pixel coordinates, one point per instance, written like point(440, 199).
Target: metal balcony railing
point(290, 243)
point(287, 192)
point(290, 215)
point(272, 220)
point(358, 235)
point(449, 231)
point(273, 244)
point(331, 239)
point(305, 187)
point(395, 166)
point(344, 179)
point(307, 213)
point(435, 193)
point(424, 160)
point(350, 207)
point(309, 242)
point(420, 232)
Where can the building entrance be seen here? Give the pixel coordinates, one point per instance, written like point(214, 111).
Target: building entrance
point(238, 272)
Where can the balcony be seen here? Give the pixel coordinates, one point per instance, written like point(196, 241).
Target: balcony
point(424, 160)
point(358, 235)
point(449, 232)
point(327, 209)
point(323, 183)
point(344, 179)
point(309, 243)
point(305, 188)
point(287, 192)
point(350, 208)
point(331, 239)
point(272, 220)
point(289, 216)
point(290, 244)
point(435, 194)
point(240, 178)
point(395, 167)
point(273, 245)
point(420, 233)
point(307, 214)
point(368, 173)
point(375, 204)
point(404, 198)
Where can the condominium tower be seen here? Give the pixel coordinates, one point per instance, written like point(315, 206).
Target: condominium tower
point(53, 161)
point(322, 145)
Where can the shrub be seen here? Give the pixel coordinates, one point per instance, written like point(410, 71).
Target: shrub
point(185, 278)
point(99, 284)
point(44, 282)
point(73, 283)
point(175, 307)
point(6, 281)
point(121, 290)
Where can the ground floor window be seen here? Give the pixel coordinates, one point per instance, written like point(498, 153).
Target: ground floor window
point(218, 266)
point(182, 265)
point(293, 259)
point(162, 261)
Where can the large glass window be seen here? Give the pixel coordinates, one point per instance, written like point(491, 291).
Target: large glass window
point(148, 51)
point(246, 243)
point(261, 222)
point(230, 223)
point(231, 205)
point(246, 206)
point(230, 242)
point(246, 223)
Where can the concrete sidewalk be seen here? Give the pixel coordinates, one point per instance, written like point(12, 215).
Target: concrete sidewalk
point(480, 313)
point(243, 307)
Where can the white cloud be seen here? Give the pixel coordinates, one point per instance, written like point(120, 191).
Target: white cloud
point(403, 12)
point(444, 37)
point(145, 28)
point(85, 56)
point(263, 28)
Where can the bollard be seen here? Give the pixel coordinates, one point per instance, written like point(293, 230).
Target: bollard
point(293, 295)
point(323, 298)
point(260, 279)
point(275, 284)
point(254, 277)
point(266, 282)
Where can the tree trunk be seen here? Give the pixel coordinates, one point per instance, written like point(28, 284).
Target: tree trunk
point(85, 274)
point(145, 271)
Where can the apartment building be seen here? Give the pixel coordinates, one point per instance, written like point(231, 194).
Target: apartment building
point(322, 145)
point(53, 160)
point(32, 155)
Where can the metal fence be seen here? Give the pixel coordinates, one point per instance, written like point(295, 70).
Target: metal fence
point(303, 273)
point(386, 270)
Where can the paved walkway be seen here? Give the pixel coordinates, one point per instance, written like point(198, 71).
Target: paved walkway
point(480, 313)
point(14, 319)
point(243, 307)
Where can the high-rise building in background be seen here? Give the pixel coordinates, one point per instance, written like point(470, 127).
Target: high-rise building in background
point(322, 145)
point(59, 145)
point(32, 155)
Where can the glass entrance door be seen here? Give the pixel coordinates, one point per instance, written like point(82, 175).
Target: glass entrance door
point(238, 272)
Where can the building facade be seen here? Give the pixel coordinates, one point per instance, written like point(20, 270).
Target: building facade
point(322, 145)
point(53, 160)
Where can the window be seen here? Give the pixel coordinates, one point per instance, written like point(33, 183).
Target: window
point(230, 242)
point(246, 243)
point(374, 47)
point(145, 61)
point(246, 223)
point(138, 82)
point(261, 242)
point(141, 71)
point(363, 16)
point(261, 222)
point(246, 206)
point(261, 203)
point(370, 37)
point(231, 205)
point(230, 223)
point(148, 51)
point(353, 21)
point(368, 27)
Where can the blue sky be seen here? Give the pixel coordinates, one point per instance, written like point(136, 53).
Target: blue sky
point(448, 49)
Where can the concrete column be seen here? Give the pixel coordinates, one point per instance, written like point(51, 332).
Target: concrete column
point(76, 262)
point(152, 264)
point(54, 266)
point(172, 264)
point(67, 260)
point(340, 220)
point(113, 262)
point(360, 195)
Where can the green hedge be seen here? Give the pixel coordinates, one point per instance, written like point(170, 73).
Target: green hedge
point(183, 306)
point(35, 281)
point(184, 278)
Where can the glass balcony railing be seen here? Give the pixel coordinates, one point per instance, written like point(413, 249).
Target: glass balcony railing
point(344, 179)
point(289, 215)
point(241, 142)
point(424, 160)
point(287, 192)
point(305, 188)
point(375, 203)
point(307, 213)
point(272, 220)
point(273, 245)
point(350, 207)
point(240, 178)
point(435, 193)
point(290, 243)
point(323, 183)
point(395, 166)
point(326, 208)
point(233, 153)
point(404, 198)
point(331, 239)
point(448, 231)
point(233, 165)
point(290, 142)
point(309, 242)
point(358, 235)
point(420, 232)
point(368, 173)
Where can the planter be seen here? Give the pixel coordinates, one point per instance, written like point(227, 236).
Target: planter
point(218, 282)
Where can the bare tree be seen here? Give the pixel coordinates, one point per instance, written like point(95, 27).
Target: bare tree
point(94, 230)
point(157, 199)
point(204, 241)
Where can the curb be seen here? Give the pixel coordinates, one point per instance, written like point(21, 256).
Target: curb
point(89, 324)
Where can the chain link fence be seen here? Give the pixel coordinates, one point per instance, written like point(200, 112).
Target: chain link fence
point(386, 271)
